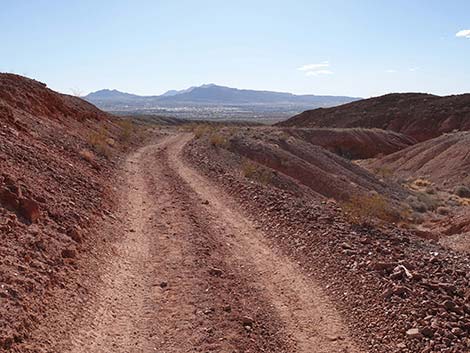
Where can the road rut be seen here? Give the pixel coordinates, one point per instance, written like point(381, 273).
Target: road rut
point(190, 273)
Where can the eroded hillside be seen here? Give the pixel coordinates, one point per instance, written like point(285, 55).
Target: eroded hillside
point(55, 162)
point(421, 116)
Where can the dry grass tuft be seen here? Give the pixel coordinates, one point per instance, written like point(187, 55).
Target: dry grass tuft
point(369, 209)
point(87, 155)
point(202, 130)
point(127, 131)
point(98, 140)
point(253, 171)
point(217, 140)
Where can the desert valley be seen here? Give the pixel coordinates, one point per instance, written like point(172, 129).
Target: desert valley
point(342, 229)
point(235, 177)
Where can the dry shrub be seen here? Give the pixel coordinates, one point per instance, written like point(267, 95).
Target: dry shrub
point(98, 140)
point(420, 182)
point(253, 171)
point(249, 168)
point(217, 140)
point(87, 155)
point(201, 130)
point(384, 172)
point(462, 191)
point(188, 127)
point(429, 200)
point(127, 130)
point(443, 211)
point(369, 209)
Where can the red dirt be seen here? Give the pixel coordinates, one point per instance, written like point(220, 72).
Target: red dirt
point(50, 197)
point(172, 249)
point(153, 259)
point(358, 267)
point(300, 165)
point(352, 143)
point(444, 160)
point(188, 272)
point(421, 116)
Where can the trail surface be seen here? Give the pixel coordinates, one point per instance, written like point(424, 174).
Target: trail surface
point(190, 273)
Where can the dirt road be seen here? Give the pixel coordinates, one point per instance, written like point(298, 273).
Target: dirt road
point(190, 273)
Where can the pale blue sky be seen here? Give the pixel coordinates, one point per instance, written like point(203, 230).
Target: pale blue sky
point(358, 48)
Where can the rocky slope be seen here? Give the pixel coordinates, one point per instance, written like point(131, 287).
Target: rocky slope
point(354, 143)
point(400, 293)
point(444, 160)
point(421, 116)
point(294, 159)
point(441, 166)
point(53, 188)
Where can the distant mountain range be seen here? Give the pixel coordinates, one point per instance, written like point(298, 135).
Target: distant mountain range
point(211, 96)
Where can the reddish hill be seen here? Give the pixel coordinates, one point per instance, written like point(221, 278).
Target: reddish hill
point(21, 96)
point(444, 160)
point(353, 143)
point(294, 159)
point(52, 189)
point(358, 264)
point(422, 116)
point(442, 163)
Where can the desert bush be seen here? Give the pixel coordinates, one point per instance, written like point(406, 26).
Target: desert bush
point(201, 130)
point(127, 130)
point(416, 204)
point(431, 202)
point(249, 168)
point(462, 191)
point(453, 200)
point(253, 171)
point(264, 176)
point(417, 218)
point(384, 172)
point(98, 140)
point(443, 211)
point(422, 182)
point(217, 140)
point(87, 155)
point(368, 209)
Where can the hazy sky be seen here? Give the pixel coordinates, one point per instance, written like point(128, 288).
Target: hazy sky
point(358, 48)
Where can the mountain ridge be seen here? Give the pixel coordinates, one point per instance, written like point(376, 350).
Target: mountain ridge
point(211, 94)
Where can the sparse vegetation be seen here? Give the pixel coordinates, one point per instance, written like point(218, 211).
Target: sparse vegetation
point(369, 209)
point(87, 155)
point(217, 140)
point(443, 211)
point(253, 171)
point(127, 130)
point(384, 172)
point(249, 168)
point(422, 183)
point(98, 140)
point(462, 191)
point(200, 130)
